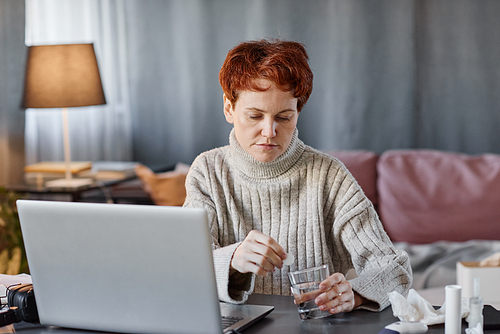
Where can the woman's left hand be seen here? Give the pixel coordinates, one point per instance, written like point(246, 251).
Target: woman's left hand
point(338, 295)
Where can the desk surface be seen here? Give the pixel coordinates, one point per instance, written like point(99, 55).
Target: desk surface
point(284, 319)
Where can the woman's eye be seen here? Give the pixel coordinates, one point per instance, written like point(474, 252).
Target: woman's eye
point(254, 116)
point(284, 118)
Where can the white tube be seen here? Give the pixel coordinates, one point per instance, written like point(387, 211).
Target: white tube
point(453, 313)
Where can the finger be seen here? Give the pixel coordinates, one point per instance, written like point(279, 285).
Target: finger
point(327, 297)
point(269, 254)
point(342, 287)
point(268, 241)
point(256, 269)
point(335, 290)
point(262, 260)
point(331, 281)
point(245, 262)
point(246, 259)
point(341, 303)
point(345, 304)
point(262, 255)
point(270, 248)
point(333, 285)
point(255, 253)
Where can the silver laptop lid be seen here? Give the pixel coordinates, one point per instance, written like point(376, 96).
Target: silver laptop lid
point(125, 268)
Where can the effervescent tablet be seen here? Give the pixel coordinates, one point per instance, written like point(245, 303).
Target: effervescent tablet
point(289, 260)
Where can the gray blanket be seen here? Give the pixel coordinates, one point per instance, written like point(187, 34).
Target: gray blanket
point(434, 265)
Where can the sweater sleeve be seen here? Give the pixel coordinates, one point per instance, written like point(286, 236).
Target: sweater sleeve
point(381, 268)
point(360, 242)
point(237, 287)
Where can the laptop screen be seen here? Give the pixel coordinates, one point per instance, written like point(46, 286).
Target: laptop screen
point(124, 268)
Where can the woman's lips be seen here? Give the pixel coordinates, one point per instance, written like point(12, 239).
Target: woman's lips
point(266, 146)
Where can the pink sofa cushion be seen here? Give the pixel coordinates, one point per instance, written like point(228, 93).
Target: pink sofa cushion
point(363, 166)
point(426, 196)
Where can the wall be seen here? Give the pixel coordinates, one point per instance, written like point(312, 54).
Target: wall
point(389, 74)
point(12, 61)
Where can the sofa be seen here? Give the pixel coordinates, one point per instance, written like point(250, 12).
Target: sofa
point(440, 207)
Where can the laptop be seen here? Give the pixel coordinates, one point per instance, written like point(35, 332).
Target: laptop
point(126, 268)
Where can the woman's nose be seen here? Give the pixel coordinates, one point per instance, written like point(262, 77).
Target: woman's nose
point(269, 129)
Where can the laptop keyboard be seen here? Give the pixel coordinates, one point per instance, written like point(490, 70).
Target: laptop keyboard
point(229, 321)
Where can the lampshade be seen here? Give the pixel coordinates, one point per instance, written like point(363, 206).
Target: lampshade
point(62, 76)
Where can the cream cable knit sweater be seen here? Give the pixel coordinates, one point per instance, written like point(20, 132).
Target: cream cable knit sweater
point(310, 204)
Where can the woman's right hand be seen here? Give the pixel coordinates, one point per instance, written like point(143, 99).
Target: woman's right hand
point(258, 254)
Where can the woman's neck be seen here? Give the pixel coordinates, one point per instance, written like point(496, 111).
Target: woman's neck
point(253, 168)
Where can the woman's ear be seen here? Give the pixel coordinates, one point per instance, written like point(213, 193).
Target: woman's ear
point(228, 110)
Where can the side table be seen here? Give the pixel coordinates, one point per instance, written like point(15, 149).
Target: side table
point(75, 194)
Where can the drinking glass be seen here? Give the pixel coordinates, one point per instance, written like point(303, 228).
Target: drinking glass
point(305, 288)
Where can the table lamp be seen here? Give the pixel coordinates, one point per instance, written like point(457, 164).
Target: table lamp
point(63, 76)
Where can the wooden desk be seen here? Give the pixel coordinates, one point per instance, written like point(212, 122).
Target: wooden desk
point(284, 319)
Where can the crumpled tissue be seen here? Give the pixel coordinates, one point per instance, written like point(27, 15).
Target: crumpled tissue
point(417, 308)
point(475, 330)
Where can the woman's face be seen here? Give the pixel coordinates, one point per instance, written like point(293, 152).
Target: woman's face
point(264, 122)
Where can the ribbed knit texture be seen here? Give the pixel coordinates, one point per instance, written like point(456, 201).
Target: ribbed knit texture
point(310, 204)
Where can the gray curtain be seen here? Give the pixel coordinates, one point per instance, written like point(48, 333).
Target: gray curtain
point(389, 74)
point(12, 59)
point(458, 75)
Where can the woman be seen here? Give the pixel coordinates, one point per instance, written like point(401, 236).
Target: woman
point(268, 194)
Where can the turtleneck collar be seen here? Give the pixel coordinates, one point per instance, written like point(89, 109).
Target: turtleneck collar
point(253, 168)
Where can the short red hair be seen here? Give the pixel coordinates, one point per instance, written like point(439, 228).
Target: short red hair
point(282, 62)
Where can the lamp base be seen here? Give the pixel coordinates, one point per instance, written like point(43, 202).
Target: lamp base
point(68, 183)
